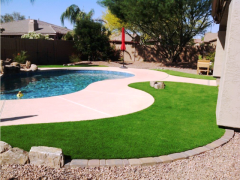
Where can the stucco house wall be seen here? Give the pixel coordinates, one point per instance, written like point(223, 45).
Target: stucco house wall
point(227, 66)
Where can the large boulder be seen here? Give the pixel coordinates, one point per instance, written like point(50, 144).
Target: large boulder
point(1, 66)
point(159, 85)
point(48, 156)
point(15, 64)
point(28, 64)
point(8, 61)
point(14, 156)
point(9, 69)
point(33, 67)
point(4, 147)
point(152, 83)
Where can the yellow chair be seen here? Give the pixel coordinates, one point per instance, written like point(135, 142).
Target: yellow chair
point(203, 65)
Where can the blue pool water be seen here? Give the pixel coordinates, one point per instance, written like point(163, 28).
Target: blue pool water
point(53, 82)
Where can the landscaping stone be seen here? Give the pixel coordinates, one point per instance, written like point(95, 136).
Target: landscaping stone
point(7, 61)
point(166, 159)
point(192, 152)
point(15, 64)
point(114, 162)
point(14, 156)
point(1, 66)
point(4, 146)
point(159, 85)
point(78, 163)
point(158, 160)
point(135, 162)
point(102, 162)
point(28, 64)
point(9, 69)
point(94, 162)
point(177, 156)
point(148, 161)
point(125, 162)
point(34, 67)
point(48, 156)
point(152, 83)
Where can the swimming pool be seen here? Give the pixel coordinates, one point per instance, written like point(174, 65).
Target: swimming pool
point(49, 83)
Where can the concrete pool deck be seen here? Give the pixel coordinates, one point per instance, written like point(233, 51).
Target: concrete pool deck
point(101, 99)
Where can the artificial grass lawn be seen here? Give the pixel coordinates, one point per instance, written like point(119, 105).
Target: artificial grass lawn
point(78, 65)
point(181, 118)
point(182, 74)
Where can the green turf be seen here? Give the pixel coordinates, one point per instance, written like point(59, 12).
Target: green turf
point(181, 118)
point(182, 74)
point(78, 65)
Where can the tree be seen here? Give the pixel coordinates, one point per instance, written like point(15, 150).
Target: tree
point(92, 39)
point(171, 23)
point(3, 1)
point(113, 23)
point(15, 16)
point(74, 14)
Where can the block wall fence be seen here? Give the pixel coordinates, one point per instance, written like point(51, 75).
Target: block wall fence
point(43, 52)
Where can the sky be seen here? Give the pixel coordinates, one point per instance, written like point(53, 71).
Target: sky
point(50, 10)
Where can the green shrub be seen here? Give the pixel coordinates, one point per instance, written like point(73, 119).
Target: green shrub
point(199, 57)
point(211, 56)
point(74, 58)
point(20, 57)
point(33, 35)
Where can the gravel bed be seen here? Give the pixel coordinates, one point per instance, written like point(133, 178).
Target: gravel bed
point(220, 163)
point(143, 65)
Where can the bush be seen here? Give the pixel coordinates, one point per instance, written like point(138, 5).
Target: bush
point(211, 56)
point(199, 57)
point(33, 35)
point(20, 57)
point(74, 58)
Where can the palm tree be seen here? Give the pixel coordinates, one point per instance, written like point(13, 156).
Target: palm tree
point(73, 14)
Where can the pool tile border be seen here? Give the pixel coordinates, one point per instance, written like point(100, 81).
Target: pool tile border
point(228, 135)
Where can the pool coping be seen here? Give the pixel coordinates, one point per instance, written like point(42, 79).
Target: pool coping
point(145, 161)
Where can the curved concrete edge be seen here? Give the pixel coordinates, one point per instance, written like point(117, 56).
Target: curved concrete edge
point(75, 163)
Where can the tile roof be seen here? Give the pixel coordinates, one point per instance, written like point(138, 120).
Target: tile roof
point(21, 27)
point(198, 41)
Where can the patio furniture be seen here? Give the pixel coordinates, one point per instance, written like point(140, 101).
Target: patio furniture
point(203, 66)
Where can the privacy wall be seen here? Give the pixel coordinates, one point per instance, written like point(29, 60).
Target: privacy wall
point(39, 51)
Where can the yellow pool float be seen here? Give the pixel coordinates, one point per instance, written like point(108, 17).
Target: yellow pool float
point(19, 94)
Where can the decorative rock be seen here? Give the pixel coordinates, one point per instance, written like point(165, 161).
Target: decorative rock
point(48, 156)
point(4, 147)
point(8, 61)
point(152, 83)
point(23, 66)
point(28, 64)
point(1, 66)
point(159, 85)
point(34, 67)
point(9, 69)
point(15, 64)
point(14, 156)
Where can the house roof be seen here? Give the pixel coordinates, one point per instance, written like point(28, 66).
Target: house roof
point(209, 37)
point(198, 41)
point(22, 27)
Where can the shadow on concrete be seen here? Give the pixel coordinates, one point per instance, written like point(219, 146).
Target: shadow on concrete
point(16, 118)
